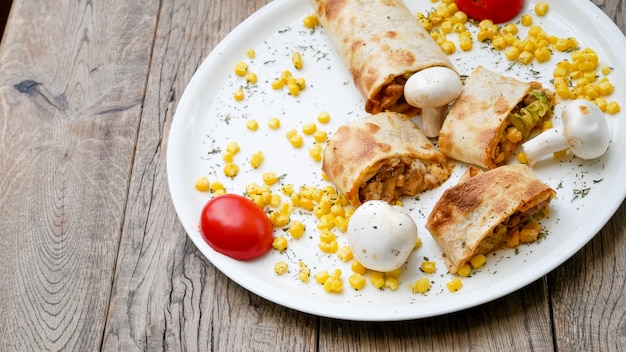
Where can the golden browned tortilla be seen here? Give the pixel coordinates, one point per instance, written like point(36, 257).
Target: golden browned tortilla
point(382, 44)
point(383, 156)
point(479, 130)
point(481, 212)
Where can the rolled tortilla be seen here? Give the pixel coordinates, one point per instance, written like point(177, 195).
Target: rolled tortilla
point(487, 123)
point(382, 44)
point(383, 156)
point(486, 211)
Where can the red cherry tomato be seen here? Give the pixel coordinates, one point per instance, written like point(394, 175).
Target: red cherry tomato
point(496, 10)
point(235, 226)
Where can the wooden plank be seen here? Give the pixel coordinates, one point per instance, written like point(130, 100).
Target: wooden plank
point(71, 90)
point(166, 295)
point(517, 322)
point(588, 293)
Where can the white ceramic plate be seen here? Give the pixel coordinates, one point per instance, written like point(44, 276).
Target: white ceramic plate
point(208, 117)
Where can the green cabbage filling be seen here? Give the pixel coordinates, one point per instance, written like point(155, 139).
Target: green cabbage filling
point(528, 116)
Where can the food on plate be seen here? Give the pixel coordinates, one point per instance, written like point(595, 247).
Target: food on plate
point(493, 115)
point(383, 45)
point(381, 236)
point(498, 11)
point(488, 210)
point(585, 132)
point(235, 226)
point(383, 157)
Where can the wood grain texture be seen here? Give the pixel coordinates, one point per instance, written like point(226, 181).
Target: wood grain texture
point(70, 102)
point(93, 256)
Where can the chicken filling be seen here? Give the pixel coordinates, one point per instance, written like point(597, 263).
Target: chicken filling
point(391, 98)
point(521, 227)
point(402, 176)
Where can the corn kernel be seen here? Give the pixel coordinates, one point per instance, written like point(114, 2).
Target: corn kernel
point(231, 169)
point(280, 267)
point(323, 117)
point(256, 159)
point(465, 270)
point(320, 136)
point(428, 267)
point(541, 8)
point(421, 286)
point(454, 284)
point(465, 44)
point(241, 68)
point(250, 53)
point(296, 229)
point(525, 57)
point(345, 253)
point(391, 283)
point(280, 243)
point(521, 157)
point(357, 267)
point(328, 247)
point(377, 279)
point(277, 84)
point(269, 178)
point(394, 273)
point(356, 281)
point(233, 147)
point(309, 128)
point(294, 89)
point(275, 200)
point(613, 107)
point(310, 21)
point(512, 53)
point(251, 77)
point(448, 47)
point(296, 141)
point(527, 20)
point(478, 260)
point(304, 273)
point(333, 284)
point(203, 184)
point(296, 60)
point(238, 95)
point(217, 186)
point(252, 125)
point(321, 276)
point(273, 123)
point(606, 70)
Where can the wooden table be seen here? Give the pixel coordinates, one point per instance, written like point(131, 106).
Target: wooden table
point(92, 256)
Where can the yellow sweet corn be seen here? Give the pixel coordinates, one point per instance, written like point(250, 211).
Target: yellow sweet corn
point(273, 123)
point(250, 53)
point(296, 229)
point(356, 281)
point(428, 267)
point(251, 77)
point(296, 60)
point(309, 128)
point(391, 283)
point(421, 286)
point(377, 279)
point(310, 21)
point(256, 159)
point(231, 169)
point(203, 184)
point(252, 125)
point(321, 277)
point(465, 270)
point(217, 187)
point(269, 178)
point(454, 284)
point(345, 253)
point(541, 8)
point(613, 107)
point(304, 273)
point(238, 95)
point(296, 141)
point(478, 260)
point(241, 68)
point(323, 117)
point(280, 243)
point(280, 267)
point(358, 268)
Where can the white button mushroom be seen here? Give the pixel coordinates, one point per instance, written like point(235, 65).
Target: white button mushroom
point(381, 236)
point(431, 90)
point(585, 132)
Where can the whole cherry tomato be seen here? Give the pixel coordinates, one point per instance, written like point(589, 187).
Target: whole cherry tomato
point(236, 226)
point(496, 10)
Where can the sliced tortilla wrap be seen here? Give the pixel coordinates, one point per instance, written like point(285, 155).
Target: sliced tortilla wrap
point(484, 210)
point(482, 126)
point(383, 156)
point(382, 44)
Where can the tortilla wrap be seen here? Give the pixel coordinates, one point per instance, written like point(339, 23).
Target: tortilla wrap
point(476, 129)
point(467, 219)
point(383, 156)
point(382, 44)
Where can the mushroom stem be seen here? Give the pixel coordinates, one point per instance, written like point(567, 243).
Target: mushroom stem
point(545, 143)
point(432, 120)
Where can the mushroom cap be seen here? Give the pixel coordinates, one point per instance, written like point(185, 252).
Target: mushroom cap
point(585, 129)
point(432, 87)
point(381, 236)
